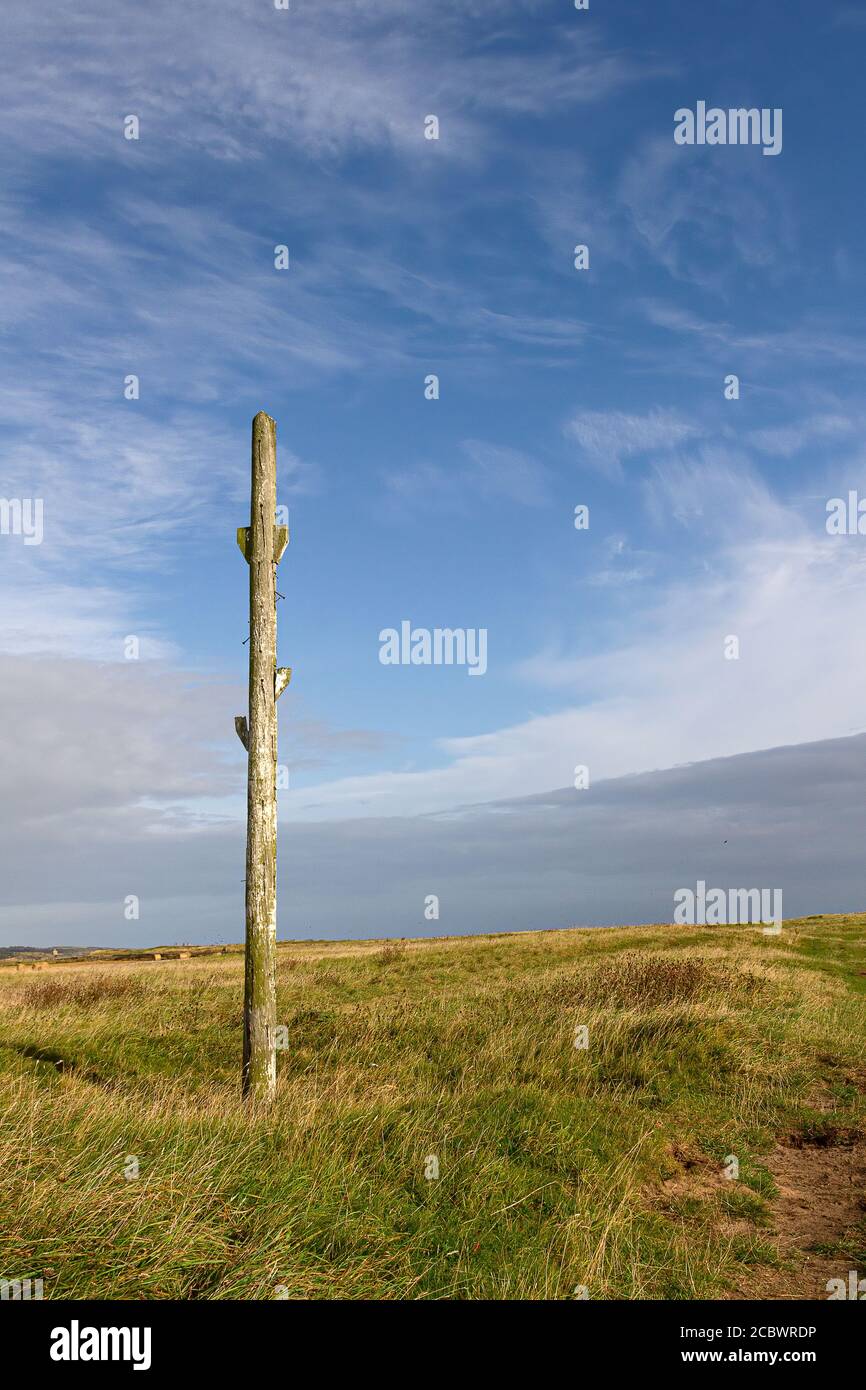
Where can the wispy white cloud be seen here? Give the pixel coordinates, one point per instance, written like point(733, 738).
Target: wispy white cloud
point(44, 617)
point(808, 340)
point(699, 217)
point(485, 471)
point(667, 694)
point(623, 565)
point(712, 482)
point(607, 438)
point(224, 79)
point(785, 441)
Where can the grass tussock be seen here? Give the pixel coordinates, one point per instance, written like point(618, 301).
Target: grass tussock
point(391, 953)
point(83, 991)
point(641, 979)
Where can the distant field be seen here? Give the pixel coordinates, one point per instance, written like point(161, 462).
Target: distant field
point(560, 1168)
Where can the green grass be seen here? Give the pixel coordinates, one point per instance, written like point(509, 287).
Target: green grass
point(552, 1159)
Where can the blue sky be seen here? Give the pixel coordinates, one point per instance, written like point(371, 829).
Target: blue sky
point(558, 387)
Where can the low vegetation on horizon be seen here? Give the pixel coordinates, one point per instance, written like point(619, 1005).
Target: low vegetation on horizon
point(440, 1130)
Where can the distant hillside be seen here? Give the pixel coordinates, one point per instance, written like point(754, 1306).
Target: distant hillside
point(42, 952)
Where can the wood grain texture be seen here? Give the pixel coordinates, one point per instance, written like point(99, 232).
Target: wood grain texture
point(259, 1077)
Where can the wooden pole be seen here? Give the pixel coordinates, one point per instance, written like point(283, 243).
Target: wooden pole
point(262, 543)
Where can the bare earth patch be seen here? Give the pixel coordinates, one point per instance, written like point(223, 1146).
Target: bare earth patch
point(821, 1203)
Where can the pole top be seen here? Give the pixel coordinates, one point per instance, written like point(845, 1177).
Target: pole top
point(262, 415)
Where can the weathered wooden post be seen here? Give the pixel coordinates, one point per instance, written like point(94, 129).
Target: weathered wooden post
point(262, 544)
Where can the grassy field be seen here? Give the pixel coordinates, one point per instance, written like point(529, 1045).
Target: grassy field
point(560, 1168)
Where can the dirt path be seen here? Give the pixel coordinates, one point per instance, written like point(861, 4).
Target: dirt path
point(821, 1202)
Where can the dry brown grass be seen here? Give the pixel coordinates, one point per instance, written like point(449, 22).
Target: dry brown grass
point(390, 953)
point(641, 979)
point(81, 990)
point(552, 1159)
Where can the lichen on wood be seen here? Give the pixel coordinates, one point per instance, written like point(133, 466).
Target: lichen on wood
point(262, 544)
